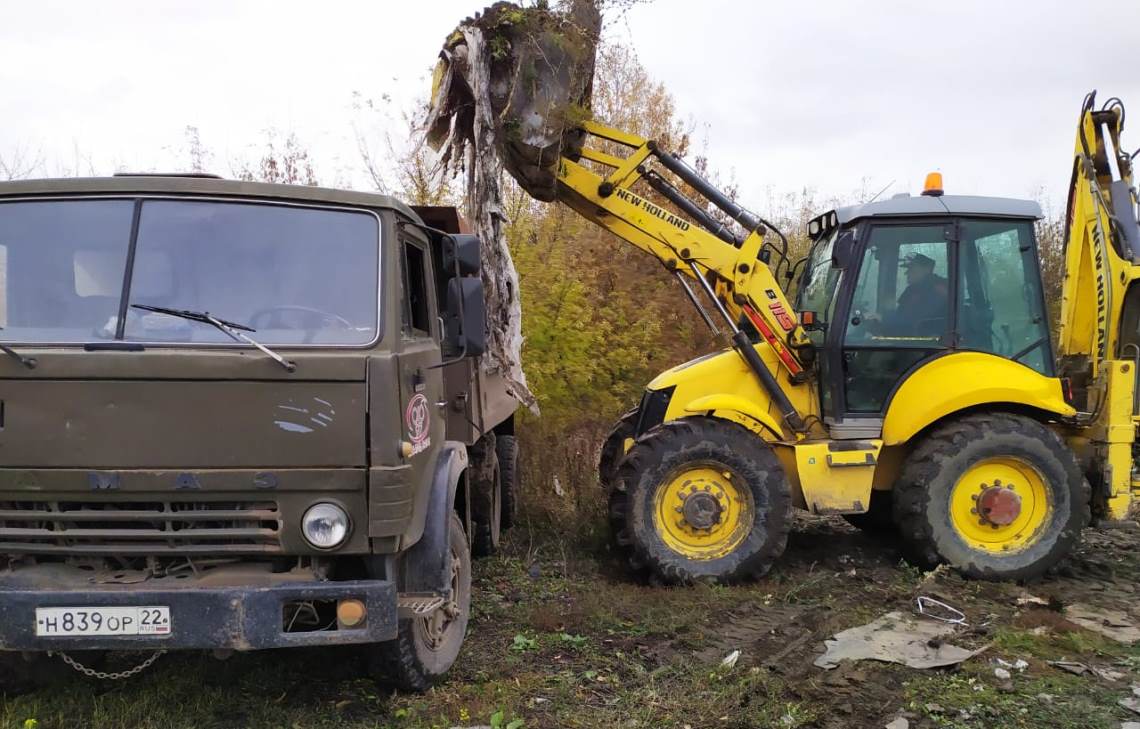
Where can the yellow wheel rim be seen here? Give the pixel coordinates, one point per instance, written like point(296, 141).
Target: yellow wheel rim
point(1000, 505)
point(703, 511)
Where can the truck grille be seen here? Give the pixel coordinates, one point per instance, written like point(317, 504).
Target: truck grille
point(139, 528)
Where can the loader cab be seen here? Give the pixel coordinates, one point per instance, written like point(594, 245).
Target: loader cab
point(896, 284)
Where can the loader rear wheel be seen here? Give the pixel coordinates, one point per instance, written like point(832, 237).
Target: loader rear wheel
point(706, 500)
point(997, 496)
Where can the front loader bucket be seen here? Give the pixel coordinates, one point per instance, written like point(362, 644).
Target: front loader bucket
point(519, 79)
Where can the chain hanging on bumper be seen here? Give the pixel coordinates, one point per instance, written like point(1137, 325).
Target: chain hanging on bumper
point(112, 676)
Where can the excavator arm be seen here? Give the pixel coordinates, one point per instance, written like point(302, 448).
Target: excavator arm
point(1102, 241)
point(730, 268)
point(1099, 333)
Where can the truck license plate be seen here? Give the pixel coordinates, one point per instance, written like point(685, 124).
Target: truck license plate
point(96, 621)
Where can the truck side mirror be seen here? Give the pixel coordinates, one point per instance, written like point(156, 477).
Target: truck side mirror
point(466, 316)
point(462, 251)
point(843, 251)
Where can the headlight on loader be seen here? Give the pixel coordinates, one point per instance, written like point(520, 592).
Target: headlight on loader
point(325, 526)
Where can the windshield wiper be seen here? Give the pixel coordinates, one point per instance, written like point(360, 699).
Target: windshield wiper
point(233, 330)
point(29, 362)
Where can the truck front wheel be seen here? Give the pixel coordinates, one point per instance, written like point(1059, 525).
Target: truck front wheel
point(426, 647)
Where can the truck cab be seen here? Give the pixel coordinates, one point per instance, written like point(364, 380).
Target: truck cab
point(237, 416)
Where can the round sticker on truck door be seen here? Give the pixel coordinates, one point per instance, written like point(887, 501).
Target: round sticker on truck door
point(417, 418)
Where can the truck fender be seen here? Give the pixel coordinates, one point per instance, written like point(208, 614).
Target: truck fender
point(427, 565)
point(735, 404)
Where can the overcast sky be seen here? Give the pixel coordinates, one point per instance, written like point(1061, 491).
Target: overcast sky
point(836, 95)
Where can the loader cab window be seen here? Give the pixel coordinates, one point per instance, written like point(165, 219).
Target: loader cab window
point(819, 282)
point(817, 294)
point(899, 313)
point(1000, 304)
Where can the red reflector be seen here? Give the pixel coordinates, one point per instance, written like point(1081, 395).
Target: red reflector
point(1067, 389)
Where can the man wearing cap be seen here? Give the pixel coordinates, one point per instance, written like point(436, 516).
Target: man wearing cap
point(922, 307)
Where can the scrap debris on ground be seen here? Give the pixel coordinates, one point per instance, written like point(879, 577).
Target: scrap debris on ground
point(510, 84)
point(896, 638)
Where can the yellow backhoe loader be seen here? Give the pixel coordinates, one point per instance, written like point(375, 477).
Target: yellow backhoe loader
point(913, 384)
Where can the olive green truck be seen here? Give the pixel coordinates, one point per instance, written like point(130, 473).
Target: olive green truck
point(238, 416)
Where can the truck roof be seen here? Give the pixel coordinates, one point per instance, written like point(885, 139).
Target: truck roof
point(199, 185)
point(906, 205)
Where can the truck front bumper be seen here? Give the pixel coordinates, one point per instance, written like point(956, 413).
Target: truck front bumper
point(239, 618)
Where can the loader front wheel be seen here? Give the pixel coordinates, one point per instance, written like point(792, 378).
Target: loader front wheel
point(615, 446)
point(997, 496)
point(706, 500)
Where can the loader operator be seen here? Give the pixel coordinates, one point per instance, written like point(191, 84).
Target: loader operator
point(922, 306)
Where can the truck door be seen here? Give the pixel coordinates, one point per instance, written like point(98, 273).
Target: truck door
point(899, 313)
point(421, 380)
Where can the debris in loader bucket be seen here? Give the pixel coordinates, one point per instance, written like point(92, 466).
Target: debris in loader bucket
point(511, 85)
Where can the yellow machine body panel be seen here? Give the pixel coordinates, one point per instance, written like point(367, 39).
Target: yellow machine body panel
point(721, 384)
point(964, 380)
point(836, 477)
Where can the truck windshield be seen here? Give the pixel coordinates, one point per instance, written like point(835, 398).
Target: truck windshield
point(299, 276)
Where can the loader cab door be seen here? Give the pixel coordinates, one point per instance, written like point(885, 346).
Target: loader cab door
point(1001, 306)
point(898, 312)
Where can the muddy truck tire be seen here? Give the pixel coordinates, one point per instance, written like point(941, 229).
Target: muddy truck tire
point(996, 496)
point(486, 489)
point(427, 647)
point(510, 482)
point(706, 501)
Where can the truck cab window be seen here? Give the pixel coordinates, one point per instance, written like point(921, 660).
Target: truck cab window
point(417, 312)
point(61, 270)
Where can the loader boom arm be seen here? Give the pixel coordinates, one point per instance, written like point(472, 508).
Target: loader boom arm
point(728, 267)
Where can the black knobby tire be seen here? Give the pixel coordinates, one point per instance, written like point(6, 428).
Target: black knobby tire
point(922, 495)
point(507, 448)
point(411, 662)
point(673, 446)
point(486, 490)
point(613, 448)
point(879, 519)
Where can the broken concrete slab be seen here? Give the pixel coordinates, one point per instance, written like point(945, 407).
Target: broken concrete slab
point(1114, 624)
point(896, 638)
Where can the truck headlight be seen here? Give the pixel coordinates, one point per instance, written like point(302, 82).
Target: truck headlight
point(325, 526)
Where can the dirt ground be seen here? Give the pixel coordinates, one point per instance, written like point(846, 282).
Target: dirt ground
point(561, 637)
